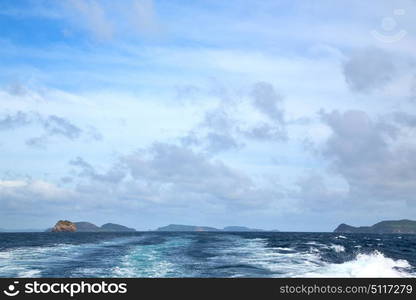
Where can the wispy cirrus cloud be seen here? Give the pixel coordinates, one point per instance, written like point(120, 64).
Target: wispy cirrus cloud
point(105, 20)
point(52, 125)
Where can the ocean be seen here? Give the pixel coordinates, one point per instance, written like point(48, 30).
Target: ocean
point(206, 254)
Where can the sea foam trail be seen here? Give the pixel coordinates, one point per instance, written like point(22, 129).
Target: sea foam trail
point(154, 260)
point(33, 261)
point(294, 263)
point(375, 264)
point(255, 258)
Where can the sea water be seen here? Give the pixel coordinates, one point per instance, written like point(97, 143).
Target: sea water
point(206, 254)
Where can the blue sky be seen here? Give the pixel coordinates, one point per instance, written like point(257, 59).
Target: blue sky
point(289, 115)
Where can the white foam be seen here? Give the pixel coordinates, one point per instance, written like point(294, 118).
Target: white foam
point(314, 250)
point(283, 248)
point(256, 253)
point(29, 273)
point(341, 237)
point(313, 243)
point(375, 264)
point(5, 255)
point(151, 261)
point(29, 261)
point(337, 248)
point(310, 264)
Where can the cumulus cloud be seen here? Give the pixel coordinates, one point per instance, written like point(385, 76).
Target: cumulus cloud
point(36, 188)
point(369, 69)
point(413, 89)
point(315, 195)
point(114, 175)
point(404, 118)
point(30, 195)
point(162, 180)
point(219, 119)
point(217, 132)
point(170, 164)
point(373, 156)
point(266, 132)
point(173, 175)
point(221, 131)
point(217, 142)
point(227, 126)
point(268, 101)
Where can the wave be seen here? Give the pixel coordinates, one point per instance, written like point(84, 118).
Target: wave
point(277, 263)
point(337, 248)
point(261, 260)
point(374, 264)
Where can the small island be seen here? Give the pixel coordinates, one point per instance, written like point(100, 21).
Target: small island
point(64, 226)
point(399, 226)
point(68, 226)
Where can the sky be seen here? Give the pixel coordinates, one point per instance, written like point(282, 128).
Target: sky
point(288, 115)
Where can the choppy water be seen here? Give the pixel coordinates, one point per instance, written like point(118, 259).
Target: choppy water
point(165, 254)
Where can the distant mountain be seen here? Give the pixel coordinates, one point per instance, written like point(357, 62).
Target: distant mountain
point(399, 226)
point(176, 227)
point(115, 227)
point(88, 227)
point(240, 228)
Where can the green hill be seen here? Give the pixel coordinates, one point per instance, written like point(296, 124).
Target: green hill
point(399, 226)
point(90, 227)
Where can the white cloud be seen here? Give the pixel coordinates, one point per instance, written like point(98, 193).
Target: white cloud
point(372, 156)
point(204, 109)
point(93, 15)
point(106, 20)
point(31, 193)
